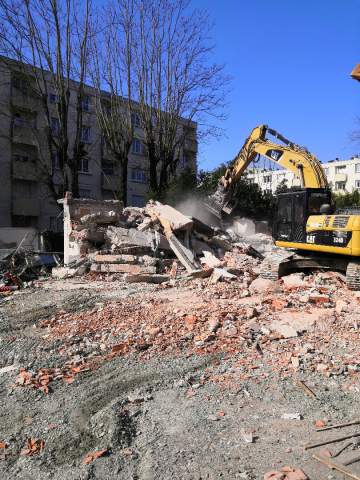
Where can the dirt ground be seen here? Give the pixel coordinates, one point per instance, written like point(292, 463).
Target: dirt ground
point(196, 387)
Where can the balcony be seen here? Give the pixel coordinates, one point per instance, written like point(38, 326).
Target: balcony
point(25, 170)
point(111, 182)
point(24, 100)
point(340, 177)
point(26, 206)
point(24, 134)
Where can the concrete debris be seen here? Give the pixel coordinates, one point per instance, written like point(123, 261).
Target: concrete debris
point(176, 219)
point(284, 329)
point(101, 218)
point(247, 436)
point(147, 278)
point(210, 260)
point(292, 416)
point(261, 285)
point(295, 280)
point(221, 274)
point(63, 272)
point(122, 237)
point(136, 241)
point(121, 268)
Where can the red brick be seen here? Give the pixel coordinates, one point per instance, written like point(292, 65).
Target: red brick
point(115, 259)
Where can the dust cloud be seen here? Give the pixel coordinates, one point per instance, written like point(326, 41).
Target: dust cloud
point(193, 206)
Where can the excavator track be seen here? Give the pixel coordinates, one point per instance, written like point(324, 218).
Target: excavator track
point(277, 266)
point(353, 276)
point(274, 267)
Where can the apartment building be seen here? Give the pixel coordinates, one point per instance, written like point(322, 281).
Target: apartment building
point(25, 201)
point(343, 176)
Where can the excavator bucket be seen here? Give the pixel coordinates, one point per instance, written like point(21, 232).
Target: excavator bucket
point(218, 203)
point(213, 206)
point(355, 74)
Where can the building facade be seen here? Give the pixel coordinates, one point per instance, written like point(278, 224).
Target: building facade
point(343, 176)
point(25, 201)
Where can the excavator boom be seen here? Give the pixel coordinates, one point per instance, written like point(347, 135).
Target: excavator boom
point(287, 154)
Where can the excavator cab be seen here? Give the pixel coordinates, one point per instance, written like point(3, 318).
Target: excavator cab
point(294, 208)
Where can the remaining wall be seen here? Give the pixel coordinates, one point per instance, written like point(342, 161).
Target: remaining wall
point(74, 211)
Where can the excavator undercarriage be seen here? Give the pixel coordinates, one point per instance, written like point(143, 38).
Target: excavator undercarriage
point(279, 265)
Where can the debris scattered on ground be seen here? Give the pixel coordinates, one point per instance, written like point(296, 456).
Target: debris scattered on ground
point(33, 447)
point(150, 286)
point(90, 457)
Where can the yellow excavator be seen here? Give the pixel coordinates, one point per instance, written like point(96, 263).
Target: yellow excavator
point(305, 218)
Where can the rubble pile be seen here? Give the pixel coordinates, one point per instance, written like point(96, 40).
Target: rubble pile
point(301, 323)
point(140, 244)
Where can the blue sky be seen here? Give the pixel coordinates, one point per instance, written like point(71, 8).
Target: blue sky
point(290, 61)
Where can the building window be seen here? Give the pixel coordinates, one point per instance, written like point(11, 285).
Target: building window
point(84, 193)
point(53, 98)
point(108, 167)
point(137, 147)
point(137, 200)
point(21, 158)
point(135, 120)
point(55, 126)
point(20, 83)
point(267, 178)
point(357, 184)
point(326, 171)
point(21, 120)
point(83, 166)
point(357, 168)
point(55, 161)
point(340, 169)
point(85, 103)
point(85, 134)
point(340, 185)
point(25, 189)
point(138, 175)
point(185, 160)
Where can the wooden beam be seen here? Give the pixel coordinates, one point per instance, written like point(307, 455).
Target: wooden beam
point(336, 466)
point(334, 440)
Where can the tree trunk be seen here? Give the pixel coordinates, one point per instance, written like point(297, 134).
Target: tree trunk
point(75, 182)
point(124, 181)
point(153, 180)
point(163, 182)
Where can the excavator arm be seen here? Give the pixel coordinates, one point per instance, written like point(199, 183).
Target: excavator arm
point(287, 154)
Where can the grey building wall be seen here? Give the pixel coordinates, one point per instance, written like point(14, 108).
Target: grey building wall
point(24, 199)
point(5, 148)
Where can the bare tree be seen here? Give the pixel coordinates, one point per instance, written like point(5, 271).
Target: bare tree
point(112, 76)
point(176, 81)
point(50, 40)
